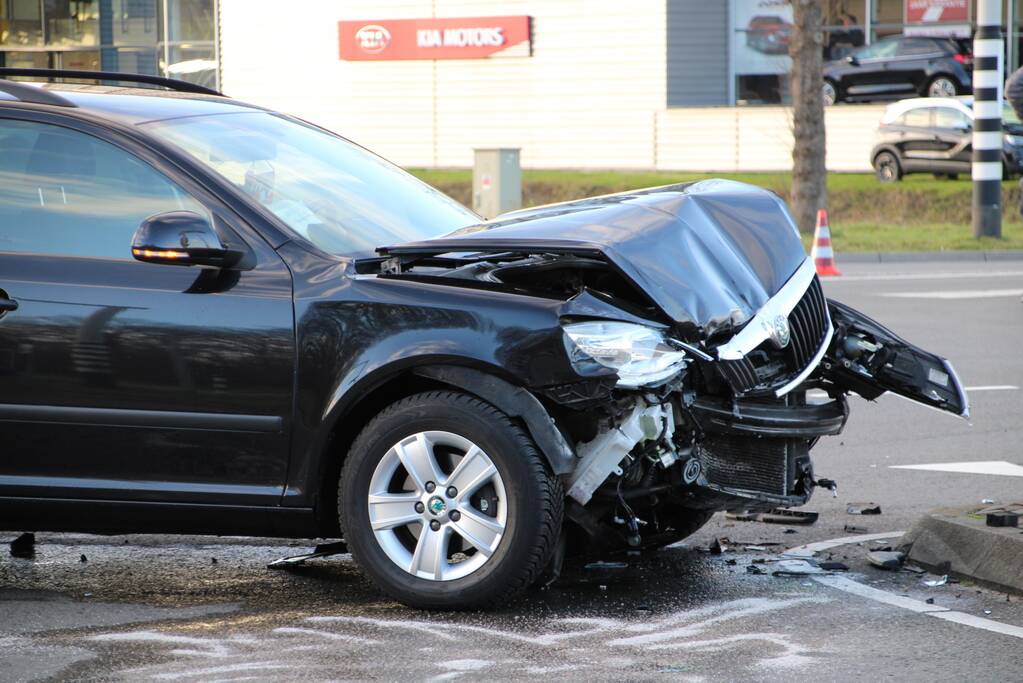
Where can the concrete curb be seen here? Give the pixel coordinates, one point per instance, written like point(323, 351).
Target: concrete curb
point(926, 256)
point(958, 542)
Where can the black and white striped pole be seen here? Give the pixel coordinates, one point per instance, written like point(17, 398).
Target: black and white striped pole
point(987, 120)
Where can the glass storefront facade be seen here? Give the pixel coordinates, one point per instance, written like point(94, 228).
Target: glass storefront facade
point(848, 24)
point(175, 38)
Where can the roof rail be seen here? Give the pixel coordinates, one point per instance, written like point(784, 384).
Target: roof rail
point(169, 83)
point(29, 93)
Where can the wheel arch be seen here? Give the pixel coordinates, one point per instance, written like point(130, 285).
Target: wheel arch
point(374, 394)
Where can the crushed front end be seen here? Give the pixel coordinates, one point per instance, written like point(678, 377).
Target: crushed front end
point(709, 360)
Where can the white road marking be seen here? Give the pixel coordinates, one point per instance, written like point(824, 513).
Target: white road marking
point(993, 387)
point(980, 622)
point(957, 294)
point(927, 276)
point(811, 549)
point(996, 467)
point(847, 585)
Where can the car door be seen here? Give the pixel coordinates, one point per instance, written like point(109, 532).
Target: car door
point(953, 131)
point(867, 73)
point(122, 380)
point(907, 70)
point(916, 140)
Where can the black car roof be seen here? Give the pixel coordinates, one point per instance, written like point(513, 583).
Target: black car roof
point(132, 105)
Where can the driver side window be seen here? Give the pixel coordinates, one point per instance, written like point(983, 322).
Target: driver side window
point(66, 193)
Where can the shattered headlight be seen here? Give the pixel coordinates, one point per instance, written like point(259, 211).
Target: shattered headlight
point(640, 355)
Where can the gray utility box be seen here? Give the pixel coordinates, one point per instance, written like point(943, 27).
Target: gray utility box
point(496, 182)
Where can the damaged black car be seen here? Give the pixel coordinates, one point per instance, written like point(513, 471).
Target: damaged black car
point(218, 319)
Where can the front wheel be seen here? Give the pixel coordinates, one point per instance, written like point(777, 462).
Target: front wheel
point(446, 504)
point(886, 167)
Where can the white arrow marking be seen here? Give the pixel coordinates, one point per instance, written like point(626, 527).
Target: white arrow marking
point(997, 467)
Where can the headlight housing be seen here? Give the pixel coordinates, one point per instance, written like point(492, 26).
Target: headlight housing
point(640, 355)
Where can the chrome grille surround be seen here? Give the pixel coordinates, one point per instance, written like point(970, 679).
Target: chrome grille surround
point(802, 303)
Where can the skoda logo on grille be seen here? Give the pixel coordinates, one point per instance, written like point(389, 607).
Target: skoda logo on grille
point(778, 330)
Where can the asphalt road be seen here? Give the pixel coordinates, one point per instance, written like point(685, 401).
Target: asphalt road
point(191, 609)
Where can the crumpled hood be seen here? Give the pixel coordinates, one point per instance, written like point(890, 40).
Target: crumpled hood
point(708, 253)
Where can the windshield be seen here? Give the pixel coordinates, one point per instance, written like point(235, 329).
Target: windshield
point(337, 195)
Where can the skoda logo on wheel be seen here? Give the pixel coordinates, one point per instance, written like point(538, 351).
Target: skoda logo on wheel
point(437, 506)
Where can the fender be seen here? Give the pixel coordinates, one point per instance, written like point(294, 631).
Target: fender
point(513, 401)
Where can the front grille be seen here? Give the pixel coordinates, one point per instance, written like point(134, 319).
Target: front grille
point(808, 326)
point(760, 465)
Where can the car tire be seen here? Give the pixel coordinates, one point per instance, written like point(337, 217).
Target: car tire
point(511, 507)
point(942, 85)
point(829, 91)
point(887, 168)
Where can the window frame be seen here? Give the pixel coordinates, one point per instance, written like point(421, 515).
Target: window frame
point(231, 219)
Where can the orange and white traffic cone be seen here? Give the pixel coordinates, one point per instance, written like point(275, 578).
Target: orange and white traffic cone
point(821, 253)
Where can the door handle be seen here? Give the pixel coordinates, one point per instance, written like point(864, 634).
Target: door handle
point(6, 303)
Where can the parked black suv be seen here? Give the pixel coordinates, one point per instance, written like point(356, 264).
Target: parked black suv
point(218, 319)
point(898, 66)
point(935, 135)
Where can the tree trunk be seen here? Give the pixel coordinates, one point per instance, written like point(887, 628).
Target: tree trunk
point(809, 176)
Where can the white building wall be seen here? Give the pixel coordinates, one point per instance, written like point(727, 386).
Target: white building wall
point(592, 95)
point(586, 97)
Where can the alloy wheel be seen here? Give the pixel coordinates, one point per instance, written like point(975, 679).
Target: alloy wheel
point(829, 94)
point(437, 505)
point(941, 87)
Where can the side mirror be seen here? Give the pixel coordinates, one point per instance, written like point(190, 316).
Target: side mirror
point(853, 60)
point(181, 238)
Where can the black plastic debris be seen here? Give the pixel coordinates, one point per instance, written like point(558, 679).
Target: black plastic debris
point(755, 569)
point(834, 566)
point(854, 529)
point(1003, 518)
point(929, 601)
point(886, 559)
point(776, 516)
point(863, 509)
point(718, 546)
point(24, 546)
point(83, 558)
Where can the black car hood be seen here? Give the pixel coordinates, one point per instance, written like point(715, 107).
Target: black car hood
point(708, 254)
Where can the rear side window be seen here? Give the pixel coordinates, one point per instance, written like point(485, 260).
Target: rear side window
point(66, 193)
point(916, 117)
point(947, 117)
point(917, 46)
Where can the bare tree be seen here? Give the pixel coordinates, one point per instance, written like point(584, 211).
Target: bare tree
point(809, 175)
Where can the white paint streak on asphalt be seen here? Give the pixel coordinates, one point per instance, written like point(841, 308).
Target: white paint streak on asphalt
point(958, 294)
point(996, 467)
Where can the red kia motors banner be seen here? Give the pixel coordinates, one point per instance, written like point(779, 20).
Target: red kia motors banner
point(937, 11)
point(453, 38)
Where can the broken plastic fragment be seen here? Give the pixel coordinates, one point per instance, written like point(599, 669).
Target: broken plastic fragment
point(834, 566)
point(885, 559)
point(24, 545)
point(797, 568)
point(755, 569)
point(606, 565)
point(934, 583)
point(863, 509)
